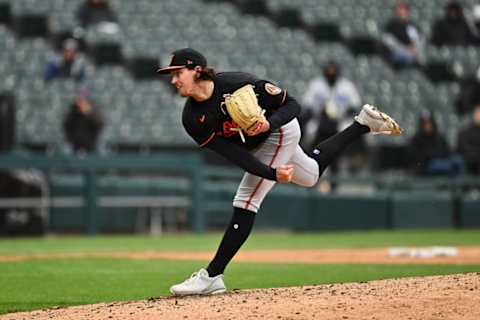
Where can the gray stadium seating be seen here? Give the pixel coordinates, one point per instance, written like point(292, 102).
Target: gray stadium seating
point(148, 112)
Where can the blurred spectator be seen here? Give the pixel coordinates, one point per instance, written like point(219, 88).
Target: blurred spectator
point(469, 94)
point(67, 65)
point(330, 95)
point(469, 143)
point(329, 103)
point(94, 12)
point(82, 125)
point(428, 150)
point(476, 19)
point(402, 37)
point(453, 29)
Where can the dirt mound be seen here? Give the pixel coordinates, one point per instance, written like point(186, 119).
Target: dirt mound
point(435, 298)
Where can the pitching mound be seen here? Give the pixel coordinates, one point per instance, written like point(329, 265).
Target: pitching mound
point(439, 297)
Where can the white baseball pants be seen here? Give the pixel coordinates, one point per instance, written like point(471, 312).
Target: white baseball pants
point(280, 148)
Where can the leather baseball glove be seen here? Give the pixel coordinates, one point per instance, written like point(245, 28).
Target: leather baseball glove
point(242, 106)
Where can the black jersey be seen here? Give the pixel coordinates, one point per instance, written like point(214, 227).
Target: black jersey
point(207, 120)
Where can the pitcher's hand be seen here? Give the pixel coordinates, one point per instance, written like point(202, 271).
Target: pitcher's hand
point(259, 127)
point(285, 173)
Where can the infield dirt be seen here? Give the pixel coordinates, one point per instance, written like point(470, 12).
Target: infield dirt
point(464, 255)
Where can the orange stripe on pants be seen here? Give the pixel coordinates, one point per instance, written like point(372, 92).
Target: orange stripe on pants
point(261, 180)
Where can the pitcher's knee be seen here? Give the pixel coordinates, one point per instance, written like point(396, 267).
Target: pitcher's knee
point(312, 182)
point(247, 204)
point(307, 182)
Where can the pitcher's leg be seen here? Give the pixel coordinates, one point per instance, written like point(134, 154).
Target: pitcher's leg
point(328, 150)
point(306, 170)
point(235, 235)
point(369, 120)
point(277, 150)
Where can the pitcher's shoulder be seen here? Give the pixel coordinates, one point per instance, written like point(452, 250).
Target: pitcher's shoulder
point(230, 81)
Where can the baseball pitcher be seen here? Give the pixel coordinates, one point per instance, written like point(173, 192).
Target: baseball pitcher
point(252, 123)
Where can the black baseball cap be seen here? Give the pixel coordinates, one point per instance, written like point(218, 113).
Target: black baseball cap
point(184, 58)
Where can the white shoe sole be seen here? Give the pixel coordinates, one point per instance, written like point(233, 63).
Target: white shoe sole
point(219, 291)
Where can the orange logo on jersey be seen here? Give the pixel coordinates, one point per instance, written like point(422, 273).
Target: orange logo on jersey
point(227, 126)
point(272, 89)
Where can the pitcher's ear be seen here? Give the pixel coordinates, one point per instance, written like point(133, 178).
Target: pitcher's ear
point(199, 70)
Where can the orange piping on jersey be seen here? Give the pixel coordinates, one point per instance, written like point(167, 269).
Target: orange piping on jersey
point(284, 96)
point(253, 193)
point(261, 180)
point(208, 140)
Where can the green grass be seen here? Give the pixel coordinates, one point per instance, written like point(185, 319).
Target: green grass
point(34, 284)
point(38, 284)
point(256, 241)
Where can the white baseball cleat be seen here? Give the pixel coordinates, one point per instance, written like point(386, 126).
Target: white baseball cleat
point(378, 122)
point(200, 283)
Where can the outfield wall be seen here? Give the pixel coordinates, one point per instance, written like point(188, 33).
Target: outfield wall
point(146, 193)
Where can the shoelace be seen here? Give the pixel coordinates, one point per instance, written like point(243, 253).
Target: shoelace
point(192, 277)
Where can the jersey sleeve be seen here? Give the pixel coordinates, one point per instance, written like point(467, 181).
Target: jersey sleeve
point(280, 107)
point(198, 129)
point(270, 96)
point(242, 158)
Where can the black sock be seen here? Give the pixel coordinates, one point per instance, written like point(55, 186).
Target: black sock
point(235, 235)
point(329, 149)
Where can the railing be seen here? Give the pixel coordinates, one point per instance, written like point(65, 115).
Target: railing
point(202, 178)
point(189, 164)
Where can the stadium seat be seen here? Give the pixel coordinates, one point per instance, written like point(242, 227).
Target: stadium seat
point(5, 14)
point(7, 121)
point(289, 56)
point(326, 31)
point(143, 67)
point(288, 17)
point(253, 7)
point(31, 25)
point(363, 45)
point(438, 71)
point(106, 53)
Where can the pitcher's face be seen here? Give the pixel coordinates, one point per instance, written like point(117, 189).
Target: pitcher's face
point(184, 80)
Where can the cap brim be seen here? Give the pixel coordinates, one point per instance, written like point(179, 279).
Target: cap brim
point(169, 69)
